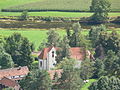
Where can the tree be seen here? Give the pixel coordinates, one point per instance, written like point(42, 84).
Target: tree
point(64, 51)
point(53, 38)
point(5, 59)
point(109, 63)
point(109, 66)
point(100, 9)
point(70, 79)
point(66, 63)
point(106, 83)
point(20, 49)
point(24, 16)
point(77, 39)
point(99, 52)
point(99, 68)
point(116, 66)
point(86, 69)
point(94, 33)
point(36, 80)
point(109, 41)
point(42, 45)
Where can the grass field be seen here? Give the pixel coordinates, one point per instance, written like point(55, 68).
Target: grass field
point(80, 5)
point(35, 36)
point(11, 3)
point(55, 14)
point(85, 87)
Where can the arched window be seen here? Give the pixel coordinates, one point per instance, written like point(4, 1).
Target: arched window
point(40, 63)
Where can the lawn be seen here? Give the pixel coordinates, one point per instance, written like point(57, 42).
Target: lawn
point(85, 87)
point(61, 5)
point(35, 36)
point(9, 3)
point(55, 14)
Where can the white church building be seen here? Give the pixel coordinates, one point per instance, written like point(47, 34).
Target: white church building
point(47, 58)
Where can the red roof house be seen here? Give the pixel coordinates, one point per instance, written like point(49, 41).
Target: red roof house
point(5, 83)
point(14, 73)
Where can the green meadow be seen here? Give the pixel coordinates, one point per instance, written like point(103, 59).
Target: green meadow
point(11, 3)
point(56, 14)
point(78, 5)
point(35, 36)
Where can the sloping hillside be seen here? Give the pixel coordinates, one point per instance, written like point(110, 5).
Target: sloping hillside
point(11, 3)
point(61, 5)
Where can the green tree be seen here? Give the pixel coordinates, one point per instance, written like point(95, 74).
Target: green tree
point(86, 69)
point(70, 80)
point(77, 39)
point(100, 9)
point(53, 38)
point(5, 59)
point(64, 51)
point(109, 41)
point(95, 32)
point(24, 15)
point(20, 49)
point(99, 68)
point(106, 83)
point(66, 63)
point(36, 80)
point(42, 45)
point(109, 63)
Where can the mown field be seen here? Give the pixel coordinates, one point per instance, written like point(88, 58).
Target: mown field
point(11, 3)
point(60, 5)
point(35, 36)
point(56, 14)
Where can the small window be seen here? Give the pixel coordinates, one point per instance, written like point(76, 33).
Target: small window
point(13, 77)
point(40, 63)
point(52, 53)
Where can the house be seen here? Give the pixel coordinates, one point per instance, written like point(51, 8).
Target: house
point(14, 73)
point(47, 58)
point(8, 83)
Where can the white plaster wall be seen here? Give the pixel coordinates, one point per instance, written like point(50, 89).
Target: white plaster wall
point(51, 60)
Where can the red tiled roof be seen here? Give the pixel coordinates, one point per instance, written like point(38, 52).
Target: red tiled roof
point(76, 53)
point(8, 82)
point(14, 72)
point(43, 54)
point(52, 73)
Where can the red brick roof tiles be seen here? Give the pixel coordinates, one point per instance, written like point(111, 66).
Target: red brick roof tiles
point(8, 82)
point(14, 72)
point(76, 53)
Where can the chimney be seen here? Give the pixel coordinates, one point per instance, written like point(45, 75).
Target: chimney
point(19, 68)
